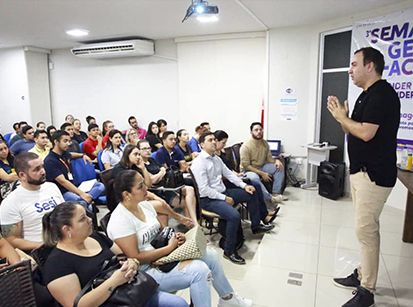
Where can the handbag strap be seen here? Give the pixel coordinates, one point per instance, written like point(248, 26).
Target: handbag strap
point(105, 269)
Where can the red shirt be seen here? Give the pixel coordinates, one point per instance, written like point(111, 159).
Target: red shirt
point(89, 147)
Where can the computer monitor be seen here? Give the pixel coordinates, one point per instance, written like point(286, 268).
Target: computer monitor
point(275, 147)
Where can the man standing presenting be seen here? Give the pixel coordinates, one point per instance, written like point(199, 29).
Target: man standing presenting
point(372, 140)
point(258, 163)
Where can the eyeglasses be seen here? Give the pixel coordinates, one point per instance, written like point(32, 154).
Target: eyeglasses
point(146, 148)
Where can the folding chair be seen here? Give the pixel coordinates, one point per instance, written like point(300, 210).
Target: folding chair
point(17, 286)
point(100, 163)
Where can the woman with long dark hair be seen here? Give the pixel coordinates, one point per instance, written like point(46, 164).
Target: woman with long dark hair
point(113, 152)
point(182, 138)
point(163, 126)
point(7, 174)
point(152, 136)
point(134, 224)
point(78, 255)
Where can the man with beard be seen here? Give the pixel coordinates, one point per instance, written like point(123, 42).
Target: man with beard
point(259, 165)
point(58, 170)
point(133, 122)
point(74, 146)
point(22, 211)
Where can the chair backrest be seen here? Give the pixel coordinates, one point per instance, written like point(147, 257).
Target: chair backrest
point(236, 155)
point(153, 155)
point(82, 171)
point(100, 163)
point(7, 138)
point(81, 146)
point(104, 221)
point(17, 286)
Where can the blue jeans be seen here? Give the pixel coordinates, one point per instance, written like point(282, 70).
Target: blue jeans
point(197, 275)
point(164, 299)
point(277, 179)
point(97, 189)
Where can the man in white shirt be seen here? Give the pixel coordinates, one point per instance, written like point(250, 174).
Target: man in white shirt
point(208, 171)
point(22, 211)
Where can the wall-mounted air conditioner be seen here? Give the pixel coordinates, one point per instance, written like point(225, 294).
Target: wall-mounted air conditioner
point(114, 49)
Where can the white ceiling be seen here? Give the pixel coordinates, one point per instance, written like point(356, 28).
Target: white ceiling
point(42, 23)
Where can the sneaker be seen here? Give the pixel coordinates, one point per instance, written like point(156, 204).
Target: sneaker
point(235, 300)
point(362, 298)
point(349, 282)
point(276, 199)
point(282, 197)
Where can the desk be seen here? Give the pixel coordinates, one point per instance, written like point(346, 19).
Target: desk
point(407, 179)
point(315, 155)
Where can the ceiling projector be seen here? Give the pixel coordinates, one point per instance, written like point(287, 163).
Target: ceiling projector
point(200, 8)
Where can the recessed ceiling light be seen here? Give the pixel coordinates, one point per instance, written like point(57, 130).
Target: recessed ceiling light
point(77, 32)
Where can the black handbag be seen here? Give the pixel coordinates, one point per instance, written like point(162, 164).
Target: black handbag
point(173, 178)
point(162, 240)
point(134, 294)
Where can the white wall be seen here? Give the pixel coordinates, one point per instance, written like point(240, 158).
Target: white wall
point(222, 81)
point(38, 84)
point(116, 88)
point(14, 99)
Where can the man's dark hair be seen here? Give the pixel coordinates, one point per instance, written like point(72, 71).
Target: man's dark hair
point(26, 128)
point(140, 142)
point(220, 135)
point(23, 123)
point(204, 135)
point(254, 124)
point(50, 128)
point(92, 126)
point(16, 126)
point(39, 123)
point(65, 125)
point(89, 118)
point(57, 136)
point(204, 124)
point(166, 134)
point(21, 162)
point(38, 132)
point(130, 118)
point(371, 54)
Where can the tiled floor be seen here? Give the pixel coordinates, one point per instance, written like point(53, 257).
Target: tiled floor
point(315, 237)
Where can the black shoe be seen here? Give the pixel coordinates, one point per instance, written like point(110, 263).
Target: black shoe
point(349, 282)
point(362, 298)
point(234, 258)
point(262, 228)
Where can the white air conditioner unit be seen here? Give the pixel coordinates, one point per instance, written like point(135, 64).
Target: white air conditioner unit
point(114, 49)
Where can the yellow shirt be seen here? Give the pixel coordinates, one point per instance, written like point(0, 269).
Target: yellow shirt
point(42, 153)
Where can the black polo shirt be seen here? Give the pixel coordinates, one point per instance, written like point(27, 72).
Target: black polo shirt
point(56, 165)
point(378, 105)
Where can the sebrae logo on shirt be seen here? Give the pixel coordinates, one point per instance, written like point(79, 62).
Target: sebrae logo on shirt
point(46, 205)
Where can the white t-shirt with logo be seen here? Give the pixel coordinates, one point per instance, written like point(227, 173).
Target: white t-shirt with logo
point(123, 223)
point(28, 207)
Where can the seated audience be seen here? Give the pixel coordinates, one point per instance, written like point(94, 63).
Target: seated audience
point(131, 137)
point(78, 255)
point(134, 224)
point(41, 141)
point(168, 156)
point(90, 120)
point(74, 145)
point(258, 164)
point(41, 126)
point(26, 143)
point(7, 174)
point(182, 145)
point(163, 126)
point(19, 134)
point(112, 154)
point(205, 126)
point(221, 138)
point(107, 126)
point(157, 173)
point(22, 211)
point(69, 119)
point(79, 135)
point(152, 136)
point(209, 171)
point(93, 143)
point(133, 122)
point(16, 128)
point(58, 171)
point(50, 131)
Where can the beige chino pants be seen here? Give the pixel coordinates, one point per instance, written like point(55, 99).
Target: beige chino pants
point(368, 200)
